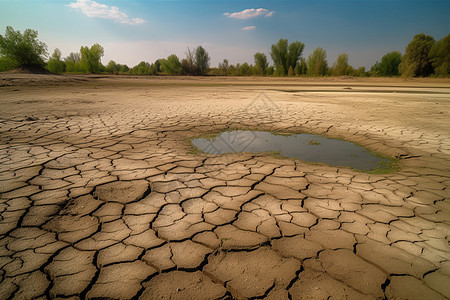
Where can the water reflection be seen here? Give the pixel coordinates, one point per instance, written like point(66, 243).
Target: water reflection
point(306, 147)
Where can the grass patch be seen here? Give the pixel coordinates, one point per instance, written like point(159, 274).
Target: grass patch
point(313, 143)
point(194, 150)
point(386, 165)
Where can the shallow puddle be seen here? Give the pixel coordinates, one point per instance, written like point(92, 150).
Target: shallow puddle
point(306, 147)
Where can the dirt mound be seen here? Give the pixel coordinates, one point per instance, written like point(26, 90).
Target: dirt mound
point(30, 70)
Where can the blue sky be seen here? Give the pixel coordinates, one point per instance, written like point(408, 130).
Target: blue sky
point(136, 30)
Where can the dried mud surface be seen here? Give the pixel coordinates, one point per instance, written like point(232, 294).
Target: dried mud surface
point(101, 195)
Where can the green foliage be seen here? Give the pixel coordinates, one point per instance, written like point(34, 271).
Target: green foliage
point(7, 63)
point(440, 57)
point(143, 68)
point(55, 64)
point(390, 63)
point(290, 71)
point(23, 49)
point(360, 72)
point(279, 56)
point(101, 68)
point(341, 66)
point(416, 61)
point(245, 70)
point(374, 70)
point(74, 57)
point(202, 60)
point(261, 63)
point(422, 57)
point(301, 68)
point(294, 54)
point(171, 65)
point(405, 69)
point(317, 63)
point(56, 55)
point(196, 62)
point(213, 71)
point(285, 56)
point(233, 70)
point(73, 63)
point(112, 67)
point(156, 67)
point(188, 64)
point(90, 58)
point(388, 66)
point(124, 69)
point(185, 67)
point(224, 67)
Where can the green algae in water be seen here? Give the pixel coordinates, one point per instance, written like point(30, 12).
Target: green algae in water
point(306, 147)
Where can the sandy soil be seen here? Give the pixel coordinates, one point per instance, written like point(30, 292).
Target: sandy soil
point(102, 197)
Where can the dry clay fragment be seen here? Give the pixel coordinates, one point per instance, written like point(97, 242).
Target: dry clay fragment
point(122, 191)
point(252, 274)
point(182, 285)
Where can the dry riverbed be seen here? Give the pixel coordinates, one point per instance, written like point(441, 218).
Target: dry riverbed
point(101, 194)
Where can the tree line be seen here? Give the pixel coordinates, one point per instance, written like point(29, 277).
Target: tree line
point(423, 57)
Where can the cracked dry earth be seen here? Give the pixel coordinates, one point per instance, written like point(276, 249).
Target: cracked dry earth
point(101, 196)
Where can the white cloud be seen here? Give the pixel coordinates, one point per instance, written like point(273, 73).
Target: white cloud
point(248, 27)
point(94, 9)
point(249, 13)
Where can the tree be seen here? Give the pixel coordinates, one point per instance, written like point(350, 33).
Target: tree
point(55, 64)
point(279, 56)
point(388, 65)
point(285, 55)
point(143, 68)
point(360, 72)
point(291, 72)
point(245, 70)
point(294, 54)
point(74, 57)
point(188, 64)
point(201, 60)
point(24, 49)
point(301, 67)
point(73, 62)
point(124, 69)
point(416, 61)
point(155, 67)
point(185, 67)
point(341, 66)
point(224, 67)
point(171, 65)
point(233, 70)
point(261, 63)
point(440, 57)
point(90, 58)
point(112, 67)
point(317, 63)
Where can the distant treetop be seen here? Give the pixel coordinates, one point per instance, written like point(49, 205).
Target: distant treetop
point(24, 49)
